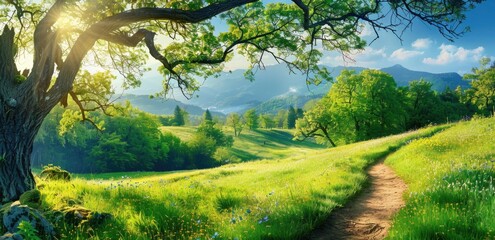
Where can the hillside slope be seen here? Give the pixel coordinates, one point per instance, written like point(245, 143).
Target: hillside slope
point(258, 144)
point(451, 178)
point(283, 198)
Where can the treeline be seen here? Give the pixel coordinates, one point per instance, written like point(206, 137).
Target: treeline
point(370, 105)
point(130, 141)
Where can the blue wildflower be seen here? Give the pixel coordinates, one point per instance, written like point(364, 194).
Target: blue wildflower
point(264, 219)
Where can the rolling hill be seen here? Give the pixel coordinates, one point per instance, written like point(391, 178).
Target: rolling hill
point(231, 92)
point(274, 89)
point(161, 106)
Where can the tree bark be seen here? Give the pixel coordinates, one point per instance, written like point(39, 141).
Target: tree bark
point(15, 166)
point(21, 116)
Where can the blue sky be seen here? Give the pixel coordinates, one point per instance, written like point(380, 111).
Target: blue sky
point(424, 49)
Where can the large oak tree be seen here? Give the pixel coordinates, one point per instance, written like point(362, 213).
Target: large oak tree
point(65, 37)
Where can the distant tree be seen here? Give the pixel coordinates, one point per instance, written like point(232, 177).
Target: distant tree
point(185, 116)
point(281, 119)
point(251, 119)
point(423, 105)
point(166, 120)
point(207, 116)
point(111, 154)
point(453, 108)
point(318, 122)
point(207, 140)
point(266, 121)
point(299, 113)
point(291, 118)
point(179, 116)
point(211, 131)
point(235, 121)
point(482, 92)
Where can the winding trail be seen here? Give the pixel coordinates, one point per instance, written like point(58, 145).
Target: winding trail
point(368, 216)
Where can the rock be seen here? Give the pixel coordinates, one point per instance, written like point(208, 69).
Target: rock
point(31, 198)
point(17, 213)
point(72, 201)
point(77, 215)
point(95, 218)
point(11, 236)
point(51, 172)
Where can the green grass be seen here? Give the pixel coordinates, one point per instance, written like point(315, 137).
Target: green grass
point(258, 144)
point(451, 184)
point(282, 198)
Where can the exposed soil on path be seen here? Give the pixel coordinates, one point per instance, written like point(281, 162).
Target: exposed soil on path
point(368, 216)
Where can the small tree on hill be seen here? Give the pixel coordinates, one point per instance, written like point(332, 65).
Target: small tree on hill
point(291, 118)
point(236, 122)
point(207, 116)
point(251, 119)
point(179, 116)
point(266, 121)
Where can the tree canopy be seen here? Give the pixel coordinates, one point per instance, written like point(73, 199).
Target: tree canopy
point(482, 92)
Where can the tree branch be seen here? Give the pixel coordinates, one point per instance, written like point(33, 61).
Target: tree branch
point(100, 30)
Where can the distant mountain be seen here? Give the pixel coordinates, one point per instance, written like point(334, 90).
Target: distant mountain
point(440, 81)
point(283, 102)
point(161, 106)
point(231, 92)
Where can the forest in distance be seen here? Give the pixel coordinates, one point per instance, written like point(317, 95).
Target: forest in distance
point(359, 106)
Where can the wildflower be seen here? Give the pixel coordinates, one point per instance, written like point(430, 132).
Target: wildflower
point(248, 211)
point(215, 235)
point(264, 219)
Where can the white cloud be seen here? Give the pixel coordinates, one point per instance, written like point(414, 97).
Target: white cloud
point(451, 53)
point(403, 54)
point(368, 57)
point(422, 43)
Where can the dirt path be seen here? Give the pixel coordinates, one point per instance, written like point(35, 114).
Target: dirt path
point(368, 216)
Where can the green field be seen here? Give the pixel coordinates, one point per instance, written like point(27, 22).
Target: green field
point(279, 199)
point(449, 170)
point(258, 144)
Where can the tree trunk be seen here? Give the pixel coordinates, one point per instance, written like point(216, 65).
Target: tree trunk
point(19, 124)
point(15, 168)
point(21, 115)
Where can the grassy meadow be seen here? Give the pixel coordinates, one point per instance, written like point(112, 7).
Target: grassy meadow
point(281, 198)
point(257, 144)
point(451, 184)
